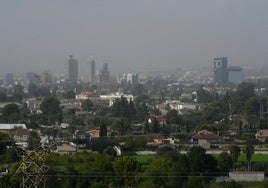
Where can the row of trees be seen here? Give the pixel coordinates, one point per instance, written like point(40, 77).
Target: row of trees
point(168, 169)
point(50, 107)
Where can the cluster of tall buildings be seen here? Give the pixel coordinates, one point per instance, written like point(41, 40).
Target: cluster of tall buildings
point(224, 75)
point(71, 71)
point(43, 78)
point(129, 79)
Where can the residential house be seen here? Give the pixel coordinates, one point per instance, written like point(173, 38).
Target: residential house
point(66, 149)
point(206, 139)
point(95, 133)
point(81, 138)
point(262, 135)
point(20, 137)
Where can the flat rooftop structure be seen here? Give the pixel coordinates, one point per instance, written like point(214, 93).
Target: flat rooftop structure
point(11, 126)
point(246, 176)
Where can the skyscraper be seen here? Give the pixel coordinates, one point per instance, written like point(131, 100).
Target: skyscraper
point(92, 71)
point(103, 74)
point(9, 79)
point(132, 79)
point(220, 71)
point(71, 69)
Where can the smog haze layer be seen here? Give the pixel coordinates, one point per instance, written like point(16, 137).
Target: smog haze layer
point(132, 35)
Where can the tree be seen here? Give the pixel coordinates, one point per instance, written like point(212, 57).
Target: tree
point(125, 169)
point(5, 141)
point(34, 140)
point(235, 152)
point(109, 151)
point(103, 129)
point(230, 184)
point(50, 106)
point(249, 150)
point(69, 94)
point(142, 112)
point(213, 112)
point(142, 98)
point(172, 117)
point(120, 108)
point(168, 152)
point(225, 162)
point(147, 127)
point(155, 126)
point(196, 182)
point(202, 163)
point(10, 113)
point(134, 143)
point(203, 96)
point(18, 93)
point(160, 173)
point(86, 105)
point(245, 90)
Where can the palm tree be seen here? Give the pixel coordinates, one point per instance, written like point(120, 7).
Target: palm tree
point(249, 150)
point(235, 152)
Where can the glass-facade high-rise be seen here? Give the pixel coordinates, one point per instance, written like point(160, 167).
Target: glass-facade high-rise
point(220, 71)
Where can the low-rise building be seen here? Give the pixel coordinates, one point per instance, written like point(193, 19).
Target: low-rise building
point(262, 135)
point(246, 176)
point(206, 138)
point(66, 148)
point(6, 128)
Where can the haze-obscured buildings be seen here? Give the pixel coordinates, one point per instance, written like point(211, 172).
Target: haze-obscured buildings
point(128, 79)
point(226, 75)
point(220, 70)
point(71, 69)
point(9, 79)
point(103, 74)
point(92, 71)
point(235, 75)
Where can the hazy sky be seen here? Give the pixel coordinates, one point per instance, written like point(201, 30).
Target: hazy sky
point(131, 35)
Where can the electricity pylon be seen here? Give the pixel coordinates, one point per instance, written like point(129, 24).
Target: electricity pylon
point(33, 168)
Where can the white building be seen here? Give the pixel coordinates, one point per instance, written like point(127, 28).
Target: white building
point(112, 97)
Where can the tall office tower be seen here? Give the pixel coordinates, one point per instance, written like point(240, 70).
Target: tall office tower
point(220, 71)
point(103, 75)
point(30, 78)
point(235, 75)
point(132, 79)
point(92, 71)
point(9, 79)
point(71, 69)
point(105, 67)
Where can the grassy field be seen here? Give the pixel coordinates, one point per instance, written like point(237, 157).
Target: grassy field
point(242, 158)
point(255, 158)
point(144, 159)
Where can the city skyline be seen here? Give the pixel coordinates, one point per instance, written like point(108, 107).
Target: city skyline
point(132, 36)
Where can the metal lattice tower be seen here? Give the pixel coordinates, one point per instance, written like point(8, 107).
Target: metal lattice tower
point(33, 168)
